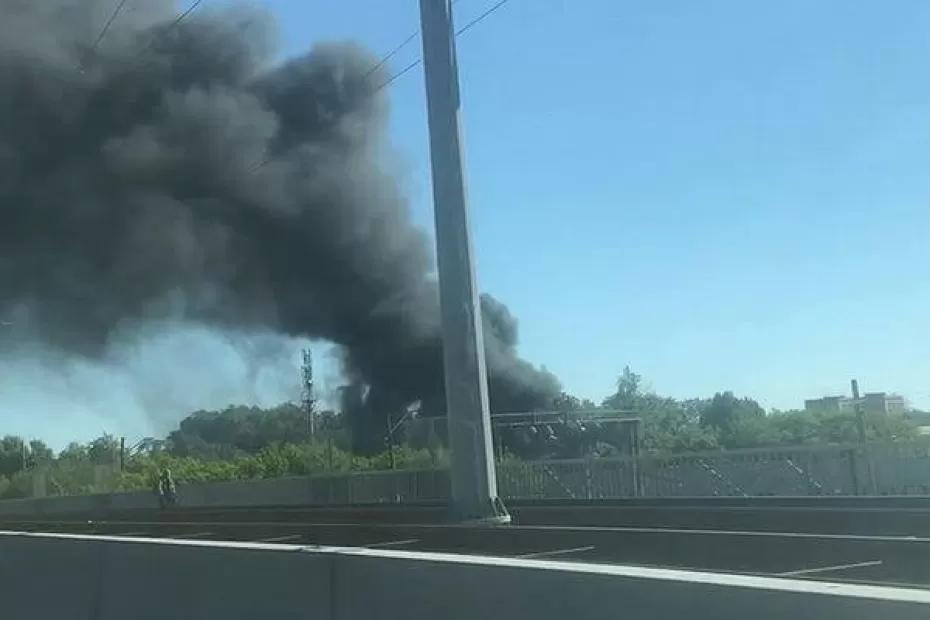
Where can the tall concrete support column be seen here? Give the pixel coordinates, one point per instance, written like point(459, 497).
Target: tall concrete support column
point(474, 482)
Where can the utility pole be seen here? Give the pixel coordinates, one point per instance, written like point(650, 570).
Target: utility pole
point(474, 481)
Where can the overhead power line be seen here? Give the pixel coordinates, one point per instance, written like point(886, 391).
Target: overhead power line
point(399, 47)
point(481, 17)
point(390, 54)
point(384, 59)
point(177, 22)
point(116, 12)
point(186, 13)
point(419, 60)
point(391, 79)
point(106, 26)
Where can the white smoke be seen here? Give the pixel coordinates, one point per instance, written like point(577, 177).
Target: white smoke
point(149, 378)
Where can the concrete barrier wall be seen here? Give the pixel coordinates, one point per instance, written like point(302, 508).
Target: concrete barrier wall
point(401, 487)
point(273, 492)
point(61, 577)
point(84, 504)
point(357, 488)
point(281, 491)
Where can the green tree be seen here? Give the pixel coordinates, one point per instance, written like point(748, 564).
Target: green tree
point(103, 450)
point(74, 453)
point(737, 421)
point(568, 402)
point(795, 427)
point(13, 455)
point(668, 425)
point(671, 426)
point(238, 431)
point(628, 391)
point(39, 452)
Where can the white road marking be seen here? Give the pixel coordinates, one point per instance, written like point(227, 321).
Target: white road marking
point(533, 528)
point(546, 554)
point(280, 538)
point(825, 569)
point(763, 584)
point(393, 543)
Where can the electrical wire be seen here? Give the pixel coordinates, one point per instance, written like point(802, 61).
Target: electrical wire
point(177, 22)
point(481, 17)
point(106, 26)
point(186, 13)
point(391, 79)
point(416, 62)
point(413, 64)
point(390, 54)
point(403, 44)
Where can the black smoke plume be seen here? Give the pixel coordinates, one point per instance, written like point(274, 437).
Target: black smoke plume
point(172, 171)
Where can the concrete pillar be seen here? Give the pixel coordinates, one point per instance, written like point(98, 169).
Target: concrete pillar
point(474, 484)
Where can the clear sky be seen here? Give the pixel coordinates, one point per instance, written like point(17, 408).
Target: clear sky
point(722, 194)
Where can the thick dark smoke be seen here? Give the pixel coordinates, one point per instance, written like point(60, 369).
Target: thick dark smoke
point(172, 172)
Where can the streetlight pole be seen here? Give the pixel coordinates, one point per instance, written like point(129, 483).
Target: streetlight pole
point(474, 481)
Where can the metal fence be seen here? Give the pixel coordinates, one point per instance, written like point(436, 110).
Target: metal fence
point(403, 486)
point(878, 469)
point(899, 469)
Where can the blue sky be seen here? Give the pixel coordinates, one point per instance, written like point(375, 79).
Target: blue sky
point(722, 194)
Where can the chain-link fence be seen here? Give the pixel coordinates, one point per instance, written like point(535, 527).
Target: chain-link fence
point(894, 469)
point(797, 471)
point(877, 469)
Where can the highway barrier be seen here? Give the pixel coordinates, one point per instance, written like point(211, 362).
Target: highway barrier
point(65, 576)
point(815, 471)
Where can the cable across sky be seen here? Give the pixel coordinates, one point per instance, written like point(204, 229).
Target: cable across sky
point(415, 63)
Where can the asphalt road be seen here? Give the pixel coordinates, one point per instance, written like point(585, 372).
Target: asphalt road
point(865, 516)
point(574, 533)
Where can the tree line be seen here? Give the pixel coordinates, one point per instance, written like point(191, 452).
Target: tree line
point(242, 442)
point(725, 421)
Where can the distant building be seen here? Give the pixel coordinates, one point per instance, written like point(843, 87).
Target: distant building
point(833, 404)
point(873, 403)
point(880, 402)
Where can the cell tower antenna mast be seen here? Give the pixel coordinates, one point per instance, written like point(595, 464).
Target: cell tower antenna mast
point(307, 400)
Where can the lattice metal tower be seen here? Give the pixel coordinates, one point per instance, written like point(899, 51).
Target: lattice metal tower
point(307, 400)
